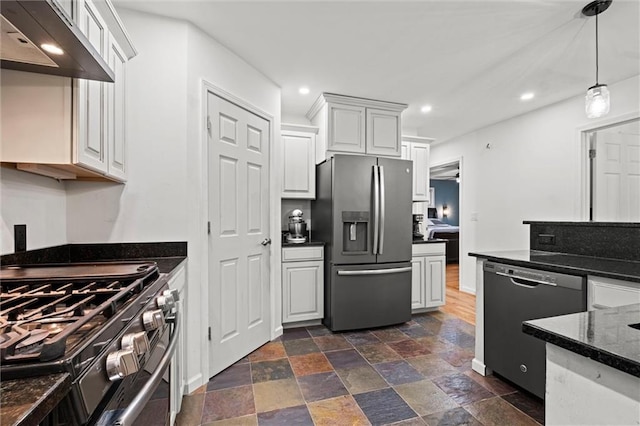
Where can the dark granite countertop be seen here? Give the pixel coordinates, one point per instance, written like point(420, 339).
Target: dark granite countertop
point(431, 241)
point(28, 401)
point(626, 270)
point(583, 223)
point(602, 335)
point(306, 244)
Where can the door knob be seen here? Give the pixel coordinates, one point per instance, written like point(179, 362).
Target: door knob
point(266, 241)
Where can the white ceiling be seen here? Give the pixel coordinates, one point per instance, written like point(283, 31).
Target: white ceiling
point(471, 60)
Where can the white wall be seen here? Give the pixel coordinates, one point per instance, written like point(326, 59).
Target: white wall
point(37, 201)
point(530, 171)
point(151, 206)
point(208, 61)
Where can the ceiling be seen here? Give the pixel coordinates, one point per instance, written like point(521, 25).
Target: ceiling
point(470, 60)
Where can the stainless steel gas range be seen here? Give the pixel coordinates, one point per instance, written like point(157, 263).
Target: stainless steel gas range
point(112, 326)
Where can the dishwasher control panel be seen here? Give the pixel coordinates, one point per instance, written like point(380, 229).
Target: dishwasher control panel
point(536, 276)
point(526, 274)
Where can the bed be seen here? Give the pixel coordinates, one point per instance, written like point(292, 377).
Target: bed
point(438, 229)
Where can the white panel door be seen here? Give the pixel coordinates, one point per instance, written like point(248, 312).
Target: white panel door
point(303, 291)
point(346, 128)
point(383, 132)
point(116, 113)
point(420, 157)
point(299, 166)
point(90, 148)
point(417, 282)
point(238, 188)
point(435, 267)
point(617, 177)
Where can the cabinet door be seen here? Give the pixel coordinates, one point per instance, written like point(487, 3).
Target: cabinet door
point(303, 291)
point(346, 132)
point(116, 140)
point(405, 152)
point(383, 132)
point(420, 156)
point(298, 171)
point(604, 293)
point(417, 282)
point(435, 281)
point(90, 144)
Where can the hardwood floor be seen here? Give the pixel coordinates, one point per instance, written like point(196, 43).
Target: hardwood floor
point(458, 303)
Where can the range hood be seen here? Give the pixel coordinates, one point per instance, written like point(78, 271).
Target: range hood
point(27, 25)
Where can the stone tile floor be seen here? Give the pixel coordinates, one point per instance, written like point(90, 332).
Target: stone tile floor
point(417, 373)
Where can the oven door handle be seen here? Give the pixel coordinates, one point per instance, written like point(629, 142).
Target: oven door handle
point(134, 409)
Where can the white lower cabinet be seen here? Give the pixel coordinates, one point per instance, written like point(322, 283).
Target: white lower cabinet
point(176, 370)
point(302, 283)
point(428, 264)
point(603, 293)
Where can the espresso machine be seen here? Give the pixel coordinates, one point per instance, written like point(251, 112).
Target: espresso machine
point(417, 220)
point(297, 228)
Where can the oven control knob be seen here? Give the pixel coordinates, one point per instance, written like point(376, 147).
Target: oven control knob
point(166, 302)
point(137, 342)
point(153, 320)
point(121, 363)
point(174, 293)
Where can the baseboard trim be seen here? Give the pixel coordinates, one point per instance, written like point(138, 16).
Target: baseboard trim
point(193, 384)
point(479, 367)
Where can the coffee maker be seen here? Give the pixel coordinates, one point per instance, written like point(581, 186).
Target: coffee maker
point(297, 228)
point(417, 220)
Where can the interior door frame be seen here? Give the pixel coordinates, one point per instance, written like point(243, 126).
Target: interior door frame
point(582, 139)
point(274, 212)
point(461, 268)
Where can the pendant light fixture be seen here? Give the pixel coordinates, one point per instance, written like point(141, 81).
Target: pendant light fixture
point(597, 100)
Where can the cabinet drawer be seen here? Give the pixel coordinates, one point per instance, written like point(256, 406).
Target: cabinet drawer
point(428, 249)
point(610, 294)
point(293, 254)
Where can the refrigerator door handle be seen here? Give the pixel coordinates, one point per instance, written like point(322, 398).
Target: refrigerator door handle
point(376, 207)
point(376, 271)
point(382, 210)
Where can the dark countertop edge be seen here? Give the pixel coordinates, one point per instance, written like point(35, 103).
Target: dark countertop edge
point(431, 241)
point(604, 224)
point(600, 355)
point(88, 252)
point(43, 406)
point(305, 244)
point(559, 268)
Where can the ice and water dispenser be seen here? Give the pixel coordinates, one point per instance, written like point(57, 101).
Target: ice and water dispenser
point(355, 232)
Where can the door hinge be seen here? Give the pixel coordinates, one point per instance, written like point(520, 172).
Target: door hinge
point(209, 333)
point(592, 153)
point(209, 124)
point(209, 228)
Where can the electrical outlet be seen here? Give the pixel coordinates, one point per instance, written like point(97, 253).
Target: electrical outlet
point(19, 238)
point(548, 239)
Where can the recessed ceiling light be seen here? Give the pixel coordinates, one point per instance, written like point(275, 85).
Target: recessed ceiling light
point(303, 90)
point(425, 109)
point(52, 48)
point(527, 96)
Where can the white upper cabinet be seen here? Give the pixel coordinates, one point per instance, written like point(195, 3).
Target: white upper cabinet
point(356, 125)
point(383, 132)
point(346, 128)
point(116, 138)
point(71, 128)
point(298, 161)
point(416, 149)
point(91, 143)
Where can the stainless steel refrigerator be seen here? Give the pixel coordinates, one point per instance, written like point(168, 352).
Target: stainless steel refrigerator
point(362, 212)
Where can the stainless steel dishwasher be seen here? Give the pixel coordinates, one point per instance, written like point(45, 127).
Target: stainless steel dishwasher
point(512, 295)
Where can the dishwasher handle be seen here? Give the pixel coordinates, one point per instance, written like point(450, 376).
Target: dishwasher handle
point(516, 277)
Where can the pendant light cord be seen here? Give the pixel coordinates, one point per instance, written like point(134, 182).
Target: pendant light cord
point(596, 49)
